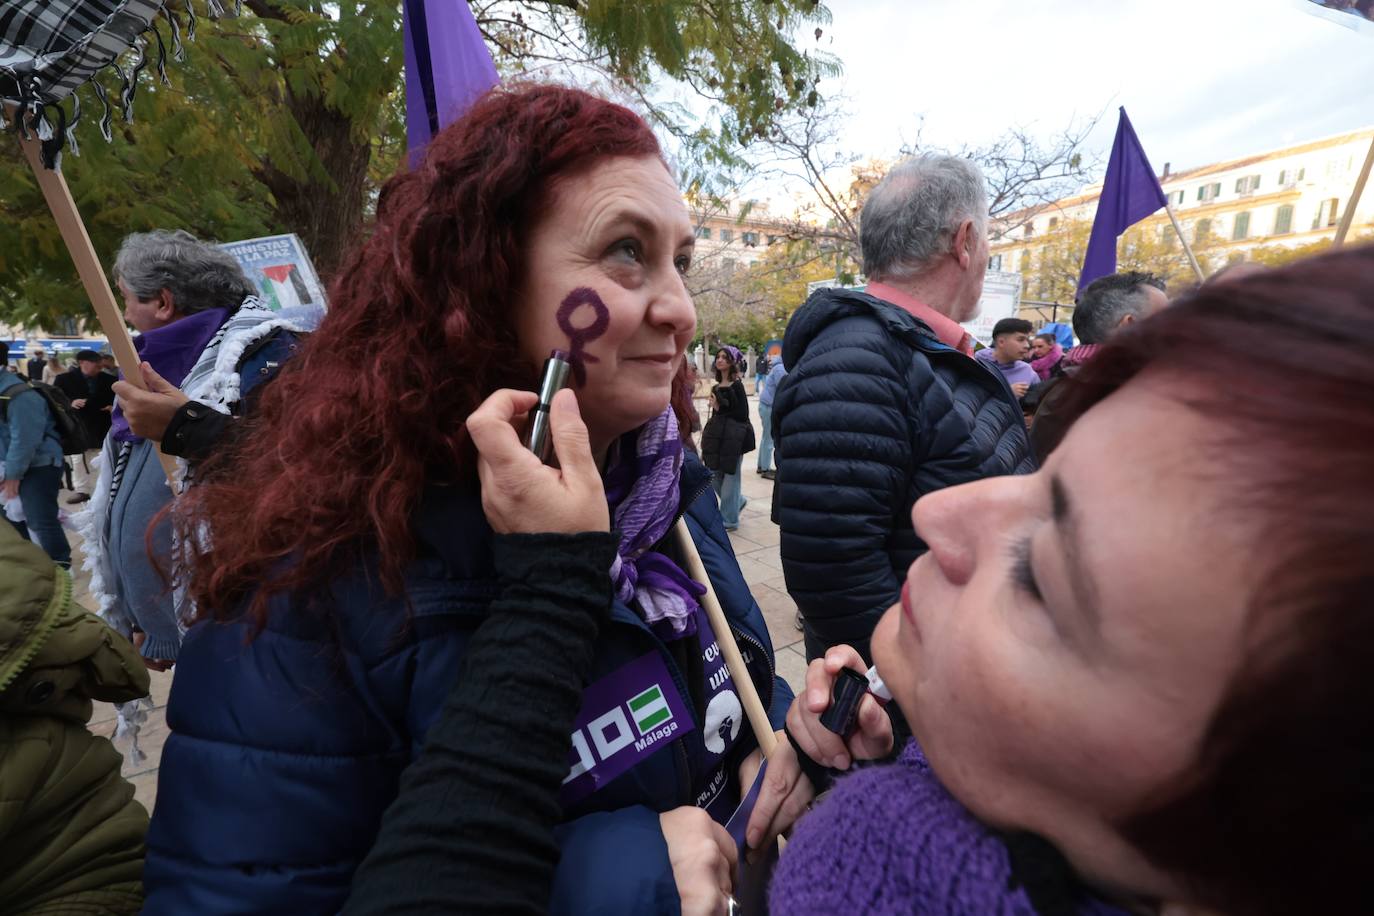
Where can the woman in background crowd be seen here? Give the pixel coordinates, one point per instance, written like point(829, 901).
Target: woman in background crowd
point(1045, 354)
point(728, 435)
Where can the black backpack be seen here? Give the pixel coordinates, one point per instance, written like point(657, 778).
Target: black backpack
point(70, 430)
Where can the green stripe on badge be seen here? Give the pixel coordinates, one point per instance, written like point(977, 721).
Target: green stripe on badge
point(645, 698)
point(651, 721)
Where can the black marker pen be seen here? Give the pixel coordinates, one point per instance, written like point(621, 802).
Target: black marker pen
point(557, 368)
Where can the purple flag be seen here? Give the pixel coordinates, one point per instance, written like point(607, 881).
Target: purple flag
point(1130, 193)
point(447, 68)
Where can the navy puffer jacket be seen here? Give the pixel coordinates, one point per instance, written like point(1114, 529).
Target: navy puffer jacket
point(874, 413)
point(285, 750)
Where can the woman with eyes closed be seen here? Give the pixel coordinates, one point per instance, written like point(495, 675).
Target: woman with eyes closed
point(1138, 680)
point(354, 554)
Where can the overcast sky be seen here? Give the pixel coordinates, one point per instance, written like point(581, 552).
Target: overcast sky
point(1203, 80)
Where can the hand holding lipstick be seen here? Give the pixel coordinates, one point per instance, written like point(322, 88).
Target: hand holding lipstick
point(786, 785)
point(521, 494)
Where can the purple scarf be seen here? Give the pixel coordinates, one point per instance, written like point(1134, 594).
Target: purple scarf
point(172, 351)
point(642, 489)
point(891, 841)
point(1044, 364)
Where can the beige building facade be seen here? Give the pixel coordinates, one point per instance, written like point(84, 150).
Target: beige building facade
point(736, 235)
point(1288, 197)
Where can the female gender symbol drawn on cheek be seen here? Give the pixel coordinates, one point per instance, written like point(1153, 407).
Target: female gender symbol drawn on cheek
point(579, 337)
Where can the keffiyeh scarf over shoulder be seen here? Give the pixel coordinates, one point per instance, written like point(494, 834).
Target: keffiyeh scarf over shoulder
point(642, 489)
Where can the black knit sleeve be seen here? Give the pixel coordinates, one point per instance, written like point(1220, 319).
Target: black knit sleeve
point(472, 828)
point(196, 432)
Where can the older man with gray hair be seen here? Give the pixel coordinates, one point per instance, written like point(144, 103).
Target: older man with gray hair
point(883, 403)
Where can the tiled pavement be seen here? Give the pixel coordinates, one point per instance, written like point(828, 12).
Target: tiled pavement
point(756, 547)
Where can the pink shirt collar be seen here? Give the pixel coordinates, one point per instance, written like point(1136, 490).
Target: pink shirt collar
point(949, 331)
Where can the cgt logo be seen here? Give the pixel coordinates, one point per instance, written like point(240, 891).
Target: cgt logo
point(611, 733)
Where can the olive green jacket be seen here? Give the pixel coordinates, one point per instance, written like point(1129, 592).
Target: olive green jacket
point(71, 834)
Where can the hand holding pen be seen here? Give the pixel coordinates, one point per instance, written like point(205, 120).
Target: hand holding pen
point(520, 493)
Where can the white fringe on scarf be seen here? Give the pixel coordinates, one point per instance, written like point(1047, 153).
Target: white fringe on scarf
point(213, 381)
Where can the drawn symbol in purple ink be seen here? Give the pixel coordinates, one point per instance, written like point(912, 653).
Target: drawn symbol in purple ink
point(579, 337)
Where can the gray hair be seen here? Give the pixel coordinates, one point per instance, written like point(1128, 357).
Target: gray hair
point(911, 216)
point(199, 275)
point(1107, 300)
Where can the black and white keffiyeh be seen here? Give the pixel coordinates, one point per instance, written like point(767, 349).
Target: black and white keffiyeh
point(50, 48)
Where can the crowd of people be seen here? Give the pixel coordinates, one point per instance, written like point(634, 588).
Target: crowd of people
point(1117, 590)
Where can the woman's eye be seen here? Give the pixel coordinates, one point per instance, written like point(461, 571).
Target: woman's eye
point(683, 264)
point(1022, 571)
point(628, 248)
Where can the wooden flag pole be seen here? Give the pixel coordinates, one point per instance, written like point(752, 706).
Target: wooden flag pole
point(1349, 217)
point(725, 637)
point(78, 241)
point(1187, 249)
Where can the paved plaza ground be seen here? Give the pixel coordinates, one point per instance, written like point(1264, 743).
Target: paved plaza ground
point(756, 547)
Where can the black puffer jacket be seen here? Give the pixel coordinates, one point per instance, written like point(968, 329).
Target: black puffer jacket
point(728, 434)
point(874, 413)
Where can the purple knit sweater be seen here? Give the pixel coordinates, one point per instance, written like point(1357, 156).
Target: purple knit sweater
point(889, 840)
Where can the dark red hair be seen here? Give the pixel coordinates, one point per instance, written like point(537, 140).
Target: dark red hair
point(419, 331)
point(1278, 815)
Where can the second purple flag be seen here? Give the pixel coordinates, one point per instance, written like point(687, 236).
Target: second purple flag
point(447, 68)
point(1130, 192)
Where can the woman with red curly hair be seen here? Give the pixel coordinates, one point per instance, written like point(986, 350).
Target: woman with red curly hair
point(352, 561)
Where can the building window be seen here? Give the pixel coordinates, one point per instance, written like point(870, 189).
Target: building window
point(1247, 184)
point(1326, 214)
point(729, 263)
point(1242, 227)
point(1054, 221)
point(995, 262)
point(1176, 198)
point(751, 238)
point(1203, 231)
point(1167, 237)
point(1290, 177)
point(703, 232)
point(1028, 231)
point(772, 239)
point(1209, 191)
point(1283, 220)
point(727, 235)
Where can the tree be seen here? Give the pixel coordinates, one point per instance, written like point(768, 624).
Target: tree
point(288, 120)
point(1024, 173)
point(748, 306)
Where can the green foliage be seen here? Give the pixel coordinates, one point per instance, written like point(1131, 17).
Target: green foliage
point(289, 118)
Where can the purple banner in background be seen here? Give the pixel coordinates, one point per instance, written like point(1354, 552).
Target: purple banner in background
point(447, 68)
point(1130, 192)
